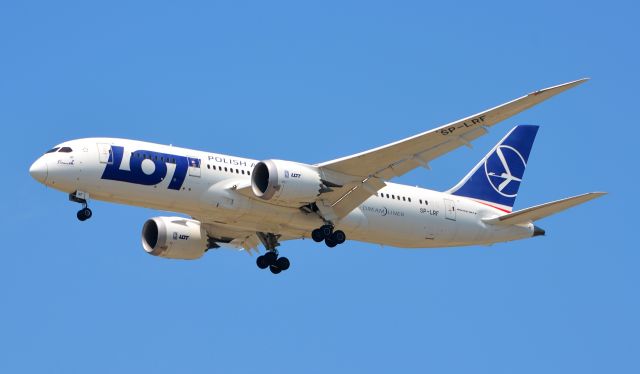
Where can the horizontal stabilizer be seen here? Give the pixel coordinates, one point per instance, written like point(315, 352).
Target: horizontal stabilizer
point(541, 211)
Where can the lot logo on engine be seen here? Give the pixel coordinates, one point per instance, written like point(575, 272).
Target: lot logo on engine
point(181, 237)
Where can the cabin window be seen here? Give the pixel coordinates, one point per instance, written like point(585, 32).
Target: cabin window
point(408, 198)
point(404, 198)
point(225, 168)
point(208, 166)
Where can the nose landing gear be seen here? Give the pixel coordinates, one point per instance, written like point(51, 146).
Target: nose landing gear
point(81, 197)
point(84, 214)
point(331, 238)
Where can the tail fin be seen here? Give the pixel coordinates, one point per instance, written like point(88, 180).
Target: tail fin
point(495, 180)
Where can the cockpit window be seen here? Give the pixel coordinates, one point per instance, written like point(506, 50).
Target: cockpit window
point(52, 150)
point(65, 150)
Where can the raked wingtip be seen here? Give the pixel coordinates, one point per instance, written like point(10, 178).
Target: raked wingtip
point(561, 87)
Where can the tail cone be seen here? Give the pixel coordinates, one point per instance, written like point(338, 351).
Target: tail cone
point(537, 231)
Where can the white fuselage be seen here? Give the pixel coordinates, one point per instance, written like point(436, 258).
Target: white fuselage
point(399, 215)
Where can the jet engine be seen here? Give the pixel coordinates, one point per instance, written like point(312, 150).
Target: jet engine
point(287, 181)
point(174, 237)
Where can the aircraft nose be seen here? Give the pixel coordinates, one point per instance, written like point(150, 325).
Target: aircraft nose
point(39, 170)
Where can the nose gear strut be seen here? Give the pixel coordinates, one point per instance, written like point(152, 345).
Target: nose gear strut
point(81, 197)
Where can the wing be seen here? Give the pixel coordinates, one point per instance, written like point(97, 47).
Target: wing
point(229, 236)
point(372, 167)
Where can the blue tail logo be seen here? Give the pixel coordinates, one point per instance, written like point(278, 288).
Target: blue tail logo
point(496, 179)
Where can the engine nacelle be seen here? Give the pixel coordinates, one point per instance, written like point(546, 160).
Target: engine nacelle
point(174, 237)
point(287, 181)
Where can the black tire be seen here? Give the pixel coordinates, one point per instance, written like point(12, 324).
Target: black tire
point(339, 237)
point(81, 216)
point(326, 231)
point(283, 263)
point(317, 235)
point(274, 269)
point(270, 258)
point(330, 242)
point(87, 213)
point(262, 262)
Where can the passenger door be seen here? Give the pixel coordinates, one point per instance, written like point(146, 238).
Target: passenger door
point(194, 167)
point(104, 153)
point(449, 209)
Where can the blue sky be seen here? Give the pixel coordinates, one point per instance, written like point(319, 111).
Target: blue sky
point(313, 82)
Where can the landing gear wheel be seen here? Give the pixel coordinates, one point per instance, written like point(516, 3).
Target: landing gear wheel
point(339, 237)
point(330, 242)
point(327, 230)
point(270, 258)
point(282, 263)
point(84, 214)
point(317, 235)
point(262, 262)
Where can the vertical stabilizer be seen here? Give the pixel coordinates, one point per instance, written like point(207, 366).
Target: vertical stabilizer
point(495, 180)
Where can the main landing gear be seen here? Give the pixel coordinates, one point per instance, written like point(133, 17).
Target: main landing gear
point(331, 238)
point(273, 262)
point(81, 197)
point(270, 259)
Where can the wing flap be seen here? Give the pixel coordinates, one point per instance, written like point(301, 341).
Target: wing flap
point(356, 195)
point(542, 211)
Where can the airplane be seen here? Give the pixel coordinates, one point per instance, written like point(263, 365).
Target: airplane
point(235, 202)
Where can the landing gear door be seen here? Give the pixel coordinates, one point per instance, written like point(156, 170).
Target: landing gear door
point(194, 167)
point(104, 153)
point(449, 209)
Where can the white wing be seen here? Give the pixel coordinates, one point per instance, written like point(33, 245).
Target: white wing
point(369, 169)
point(243, 239)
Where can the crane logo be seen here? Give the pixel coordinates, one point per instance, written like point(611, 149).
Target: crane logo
point(504, 169)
